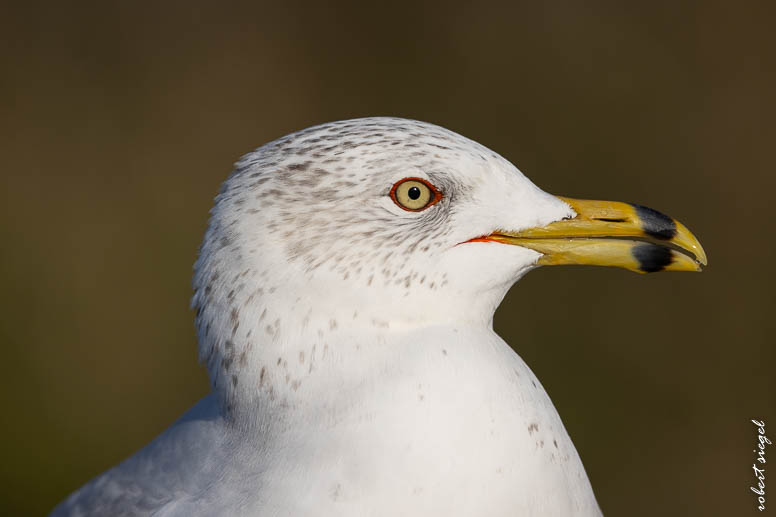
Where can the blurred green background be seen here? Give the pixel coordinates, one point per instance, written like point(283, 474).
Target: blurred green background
point(120, 119)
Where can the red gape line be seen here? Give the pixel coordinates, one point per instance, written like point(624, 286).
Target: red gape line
point(483, 238)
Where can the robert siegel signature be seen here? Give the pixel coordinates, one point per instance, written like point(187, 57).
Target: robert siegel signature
point(759, 473)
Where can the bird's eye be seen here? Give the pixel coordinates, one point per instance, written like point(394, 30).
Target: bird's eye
point(414, 194)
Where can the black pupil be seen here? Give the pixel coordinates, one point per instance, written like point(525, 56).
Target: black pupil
point(413, 192)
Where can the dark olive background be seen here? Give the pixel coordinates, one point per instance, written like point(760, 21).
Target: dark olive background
point(120, 119)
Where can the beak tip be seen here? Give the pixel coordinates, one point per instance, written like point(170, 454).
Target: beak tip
point(685, 239)
point(700, 256)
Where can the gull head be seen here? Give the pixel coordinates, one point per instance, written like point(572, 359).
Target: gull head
point(387, 224)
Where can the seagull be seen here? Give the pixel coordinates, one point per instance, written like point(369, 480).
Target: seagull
point(344, 296)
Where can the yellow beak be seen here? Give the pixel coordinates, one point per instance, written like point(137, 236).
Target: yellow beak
point(610, 233)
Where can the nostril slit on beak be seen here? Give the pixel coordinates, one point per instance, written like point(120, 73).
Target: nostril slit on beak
point(610, 220)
